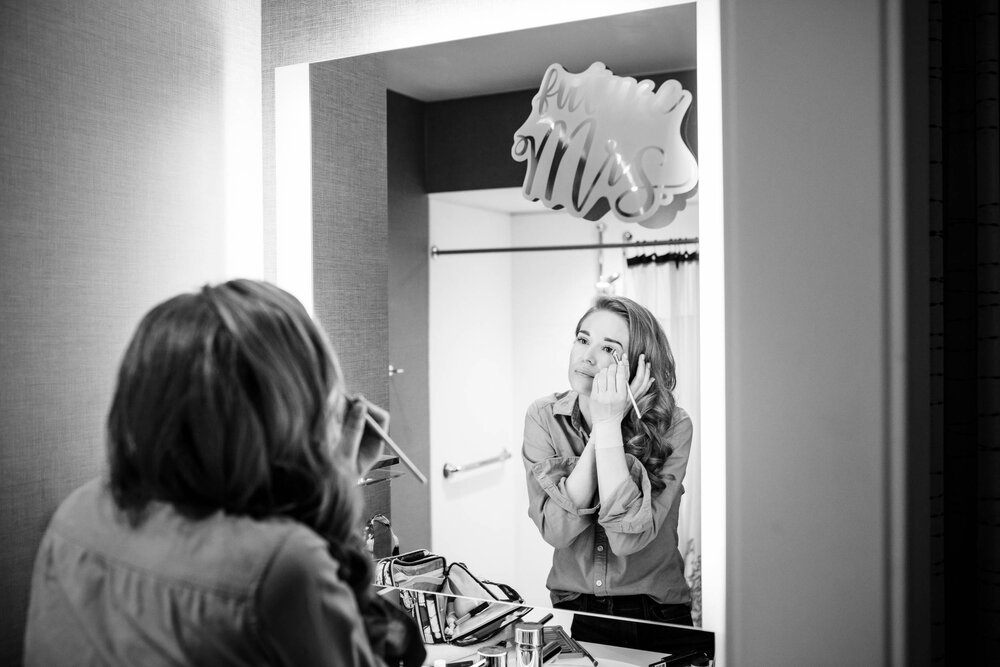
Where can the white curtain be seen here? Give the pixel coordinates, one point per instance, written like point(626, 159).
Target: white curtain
point(670, 291)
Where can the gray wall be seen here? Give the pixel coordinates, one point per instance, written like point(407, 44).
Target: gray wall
point(408, 293)
point(350, 263)
point(825, 141)
point(112, 189)
point(826, 523)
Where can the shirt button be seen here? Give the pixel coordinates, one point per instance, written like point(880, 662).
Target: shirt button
point(598, 582)
point(600, 548)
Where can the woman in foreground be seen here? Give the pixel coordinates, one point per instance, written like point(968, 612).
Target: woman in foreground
point(226, 529)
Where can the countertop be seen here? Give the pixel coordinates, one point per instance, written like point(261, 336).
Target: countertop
point(606, 656)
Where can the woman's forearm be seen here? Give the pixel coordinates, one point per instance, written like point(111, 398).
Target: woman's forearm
point(581, 485)
point(609, 458)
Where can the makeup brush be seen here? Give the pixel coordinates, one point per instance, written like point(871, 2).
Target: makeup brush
point(628, 388)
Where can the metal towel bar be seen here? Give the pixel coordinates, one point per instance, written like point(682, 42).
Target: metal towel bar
point(450, 469)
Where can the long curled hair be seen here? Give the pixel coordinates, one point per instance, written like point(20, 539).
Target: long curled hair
point(645, 438)
point(230, 399)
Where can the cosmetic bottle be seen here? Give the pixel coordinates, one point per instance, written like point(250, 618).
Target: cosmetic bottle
point(528, 644)
point(493, 656)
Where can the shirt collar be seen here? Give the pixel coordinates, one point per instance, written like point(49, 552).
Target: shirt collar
point(568, 405)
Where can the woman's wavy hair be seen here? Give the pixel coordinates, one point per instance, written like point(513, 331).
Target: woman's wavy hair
point(645, 438)
point(230, 399)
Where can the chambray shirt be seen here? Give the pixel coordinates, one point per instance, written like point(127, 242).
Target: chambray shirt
point(223, 590)
point(624, 548)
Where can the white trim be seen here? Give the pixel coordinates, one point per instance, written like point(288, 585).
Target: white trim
point(712, 324)
point(293, 182)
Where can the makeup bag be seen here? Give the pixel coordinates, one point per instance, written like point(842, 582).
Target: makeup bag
point(449, 603)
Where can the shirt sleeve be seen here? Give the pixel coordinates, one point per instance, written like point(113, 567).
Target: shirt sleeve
point(634, 517)
point(558, 520)
point(308, 616)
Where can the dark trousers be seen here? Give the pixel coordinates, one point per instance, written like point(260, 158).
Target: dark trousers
point(643, 636)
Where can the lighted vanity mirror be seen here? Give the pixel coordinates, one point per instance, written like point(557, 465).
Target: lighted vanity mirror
point(475, 337)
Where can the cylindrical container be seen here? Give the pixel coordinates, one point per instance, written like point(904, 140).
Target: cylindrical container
point(528, 644)
point(493, 656)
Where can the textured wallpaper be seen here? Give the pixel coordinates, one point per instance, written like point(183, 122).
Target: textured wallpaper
point(350, 263)
point(112, 183)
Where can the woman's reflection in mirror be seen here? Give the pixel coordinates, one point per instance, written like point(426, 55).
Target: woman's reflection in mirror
point(605, 480)
point(227, 530)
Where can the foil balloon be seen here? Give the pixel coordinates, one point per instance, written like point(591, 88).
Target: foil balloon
point(595, 142)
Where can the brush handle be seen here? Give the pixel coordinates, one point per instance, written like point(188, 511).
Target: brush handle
point(395, 448)
point(635, 405)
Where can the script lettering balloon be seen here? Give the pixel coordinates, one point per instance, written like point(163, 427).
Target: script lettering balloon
point(596, 142)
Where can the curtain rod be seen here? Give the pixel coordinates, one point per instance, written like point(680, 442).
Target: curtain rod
point(435, 251)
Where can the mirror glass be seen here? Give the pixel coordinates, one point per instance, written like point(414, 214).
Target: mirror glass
point(510, 320)
point(475, 337)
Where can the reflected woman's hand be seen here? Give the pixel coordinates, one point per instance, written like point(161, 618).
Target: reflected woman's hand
point(609, 400)
point(643, 379)
point(608, 396)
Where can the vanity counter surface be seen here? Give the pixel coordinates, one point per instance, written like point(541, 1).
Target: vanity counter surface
point(606, 656)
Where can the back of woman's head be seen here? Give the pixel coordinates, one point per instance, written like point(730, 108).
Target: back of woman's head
point(229, 399)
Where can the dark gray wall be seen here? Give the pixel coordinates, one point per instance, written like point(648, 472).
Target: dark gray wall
point(408, 344)
point(112, 183)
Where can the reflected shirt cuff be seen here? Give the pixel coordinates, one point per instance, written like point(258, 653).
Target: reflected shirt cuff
point(551, 474)
point(630, 510)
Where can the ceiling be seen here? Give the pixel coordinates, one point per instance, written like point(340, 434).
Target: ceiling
point(646, 42)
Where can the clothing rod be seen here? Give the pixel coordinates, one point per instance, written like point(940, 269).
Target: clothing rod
point(435, 251)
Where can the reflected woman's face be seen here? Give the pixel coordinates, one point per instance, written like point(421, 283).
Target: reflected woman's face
point(601, 334)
